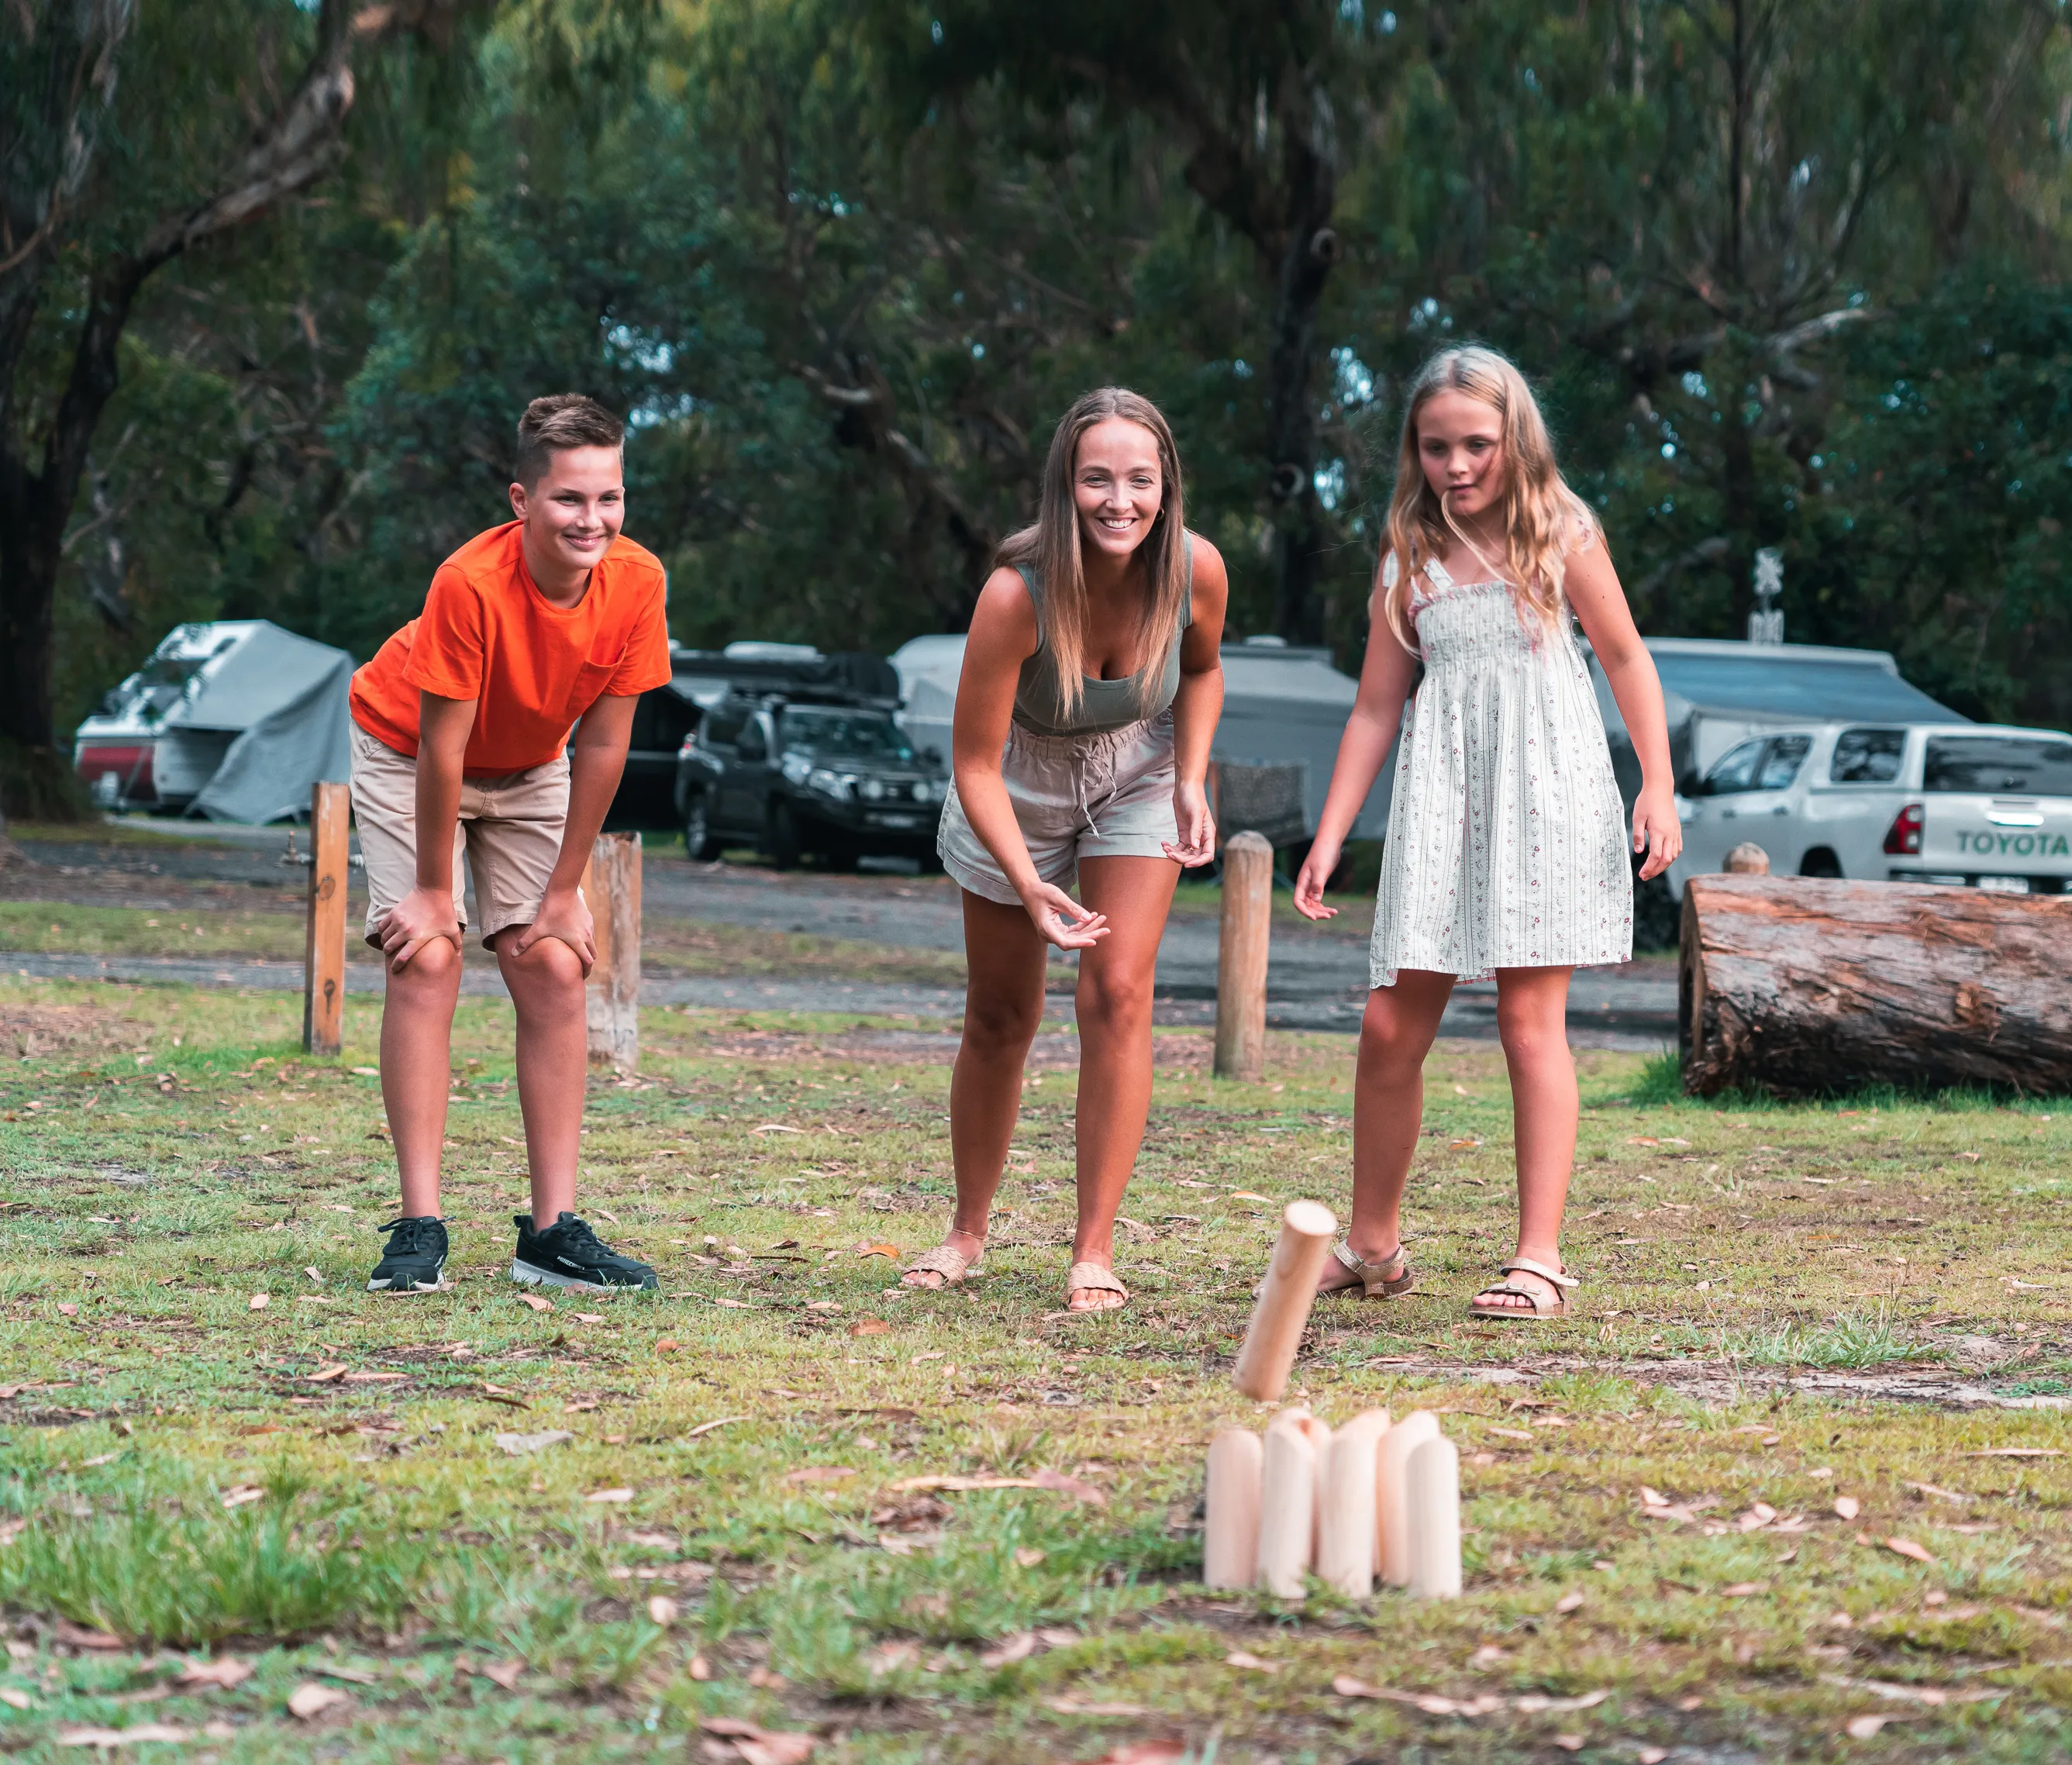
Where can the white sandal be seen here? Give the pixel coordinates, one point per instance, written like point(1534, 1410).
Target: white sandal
point(1539, 1305)
point(1090, 1278)
point(945, 1260)
point(1386, 1279)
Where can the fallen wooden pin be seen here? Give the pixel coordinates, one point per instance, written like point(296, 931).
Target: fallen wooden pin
point(1339, 1505)
point(1285, 1298)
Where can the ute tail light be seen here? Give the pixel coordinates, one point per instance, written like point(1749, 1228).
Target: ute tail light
point(1903, 837)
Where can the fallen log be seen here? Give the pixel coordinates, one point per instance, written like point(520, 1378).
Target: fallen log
point(1801, 986)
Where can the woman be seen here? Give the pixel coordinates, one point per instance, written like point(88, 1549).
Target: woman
point(1507, 850)
point(1089, 691)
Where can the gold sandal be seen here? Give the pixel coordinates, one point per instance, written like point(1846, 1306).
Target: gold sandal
point(1387, 1279)
point(1540, 1305)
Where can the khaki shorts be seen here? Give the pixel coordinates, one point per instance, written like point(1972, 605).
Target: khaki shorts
point(1074, 796)
point(510, 829)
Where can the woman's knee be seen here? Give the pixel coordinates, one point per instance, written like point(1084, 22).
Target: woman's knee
point(1002, 1025)
point(1114, 1001)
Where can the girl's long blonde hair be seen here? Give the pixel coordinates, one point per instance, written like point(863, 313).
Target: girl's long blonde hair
point(1543, 520)
point(1050, 546)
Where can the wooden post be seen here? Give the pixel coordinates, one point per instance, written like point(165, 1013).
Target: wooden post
point(611, 888)
point(1284, 1299)
point(1230, 1537)
point(1241, 956)
point(323, 945)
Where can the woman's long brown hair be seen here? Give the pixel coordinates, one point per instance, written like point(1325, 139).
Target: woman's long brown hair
point(1050, 546)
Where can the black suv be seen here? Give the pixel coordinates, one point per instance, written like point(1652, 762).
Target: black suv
point(839, 779)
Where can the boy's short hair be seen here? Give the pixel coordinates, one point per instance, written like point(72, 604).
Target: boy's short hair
point(554, 424)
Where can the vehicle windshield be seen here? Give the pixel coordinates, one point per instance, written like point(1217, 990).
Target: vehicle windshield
point(866, 734)
point(2000, 765)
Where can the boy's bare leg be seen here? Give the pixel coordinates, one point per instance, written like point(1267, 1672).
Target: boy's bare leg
point(546, 985)
point(416, 1032)
point(1388, 1108)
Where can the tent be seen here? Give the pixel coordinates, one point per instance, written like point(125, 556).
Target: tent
point(234, 720)
point(1284, 709)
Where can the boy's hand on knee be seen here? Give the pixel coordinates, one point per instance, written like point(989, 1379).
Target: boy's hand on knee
point(422, 917)
point(565, 916)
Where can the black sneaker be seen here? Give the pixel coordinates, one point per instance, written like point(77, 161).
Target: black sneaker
point(569, 1254)
point(415, 1254)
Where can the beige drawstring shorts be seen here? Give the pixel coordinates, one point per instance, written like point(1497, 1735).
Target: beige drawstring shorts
point(510, 827)
point(1108, 796)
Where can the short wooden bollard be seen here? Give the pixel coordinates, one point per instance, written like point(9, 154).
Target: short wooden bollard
point(1431, 1494)
point(323, 945)
point(1285, 1298)
point(611, 888)
point(1241, 956)
point(1346, 1531)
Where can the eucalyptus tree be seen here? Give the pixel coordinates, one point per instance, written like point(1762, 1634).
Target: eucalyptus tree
point(131, 137)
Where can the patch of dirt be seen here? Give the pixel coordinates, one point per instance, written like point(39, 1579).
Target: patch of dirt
point(1056, 1052)
point(30, 1032)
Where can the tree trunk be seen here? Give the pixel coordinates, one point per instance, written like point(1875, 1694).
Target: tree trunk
point(1800, 986)
point(1312, 249)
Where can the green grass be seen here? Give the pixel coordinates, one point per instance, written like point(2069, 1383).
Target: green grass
point(166, 1155)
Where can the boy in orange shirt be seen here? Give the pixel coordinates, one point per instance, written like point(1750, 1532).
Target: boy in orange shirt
point(460, 739)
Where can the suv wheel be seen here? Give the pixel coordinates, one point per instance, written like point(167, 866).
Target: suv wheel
point(784, 841)
point(698, 840)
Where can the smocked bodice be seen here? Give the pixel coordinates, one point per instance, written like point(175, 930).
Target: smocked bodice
point(1463, 624)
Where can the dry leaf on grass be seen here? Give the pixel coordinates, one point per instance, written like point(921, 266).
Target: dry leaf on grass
point(142, 1732)
point(776, 1127)
point(1074, 1706)
point(699, 1668)
point(1145, 1752)
point(327, 1374)
point(890, 1250)
point(610, 1495)
point(224, 1671)
point(1906, 1547)
point(760, 1745)
point(1847, 1507)
point(518, 1444)
point(662, 1610)
point(818, 1474)
point(870, 1327)
point(1864, 1728)
point(1028, 1557)
point(309, 1700)
point(533, 1302)
point(505, 1673)
point(82, 1637)
point(1569, 1602)
point(241, 1493)
point(1017, 1647)
point(14, 1699)
point(707, 1427)
point(1249, 1662)
point(1056, 1480)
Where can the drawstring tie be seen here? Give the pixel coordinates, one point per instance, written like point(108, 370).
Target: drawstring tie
point(1105, 748)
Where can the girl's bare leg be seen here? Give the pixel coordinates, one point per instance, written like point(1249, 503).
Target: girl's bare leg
point(1532, 1018)
point(1114, 1004)
point(1388, 1109)
point(1004, 960)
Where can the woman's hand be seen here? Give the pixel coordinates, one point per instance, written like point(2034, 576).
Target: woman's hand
point(1316, 872)
point(420, 916)
point(1197, 840)
point(1656, 830)
point(1061, 920)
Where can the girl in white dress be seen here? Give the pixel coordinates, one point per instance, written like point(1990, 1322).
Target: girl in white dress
point(1507, 850)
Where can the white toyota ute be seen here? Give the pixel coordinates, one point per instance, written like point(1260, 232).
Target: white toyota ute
point(1978, 805)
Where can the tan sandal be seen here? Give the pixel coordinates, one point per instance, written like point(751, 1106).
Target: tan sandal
point(1387, 1279)
point(1539, 1305)
point(1090, 1278)
point(945, 1260)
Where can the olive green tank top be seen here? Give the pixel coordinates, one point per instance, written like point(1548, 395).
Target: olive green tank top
point(1104, 705)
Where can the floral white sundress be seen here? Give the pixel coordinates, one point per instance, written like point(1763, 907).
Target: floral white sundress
point(1506, 836)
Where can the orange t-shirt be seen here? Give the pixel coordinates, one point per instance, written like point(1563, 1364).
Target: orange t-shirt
point(533, 668)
